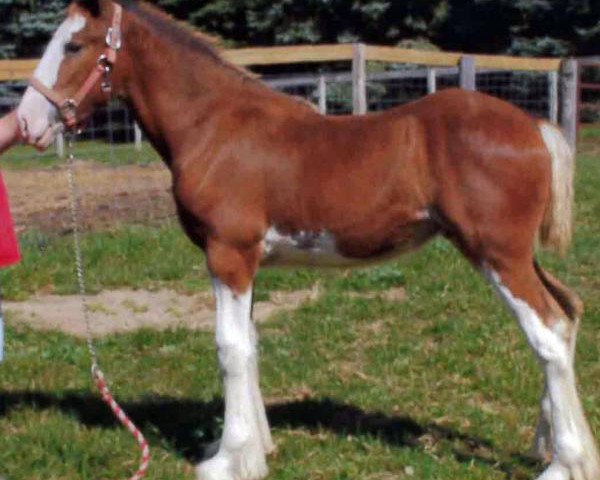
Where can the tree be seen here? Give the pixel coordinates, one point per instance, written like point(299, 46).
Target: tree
point(523, 27)
point(531, 27)
point(28, 25)
point(267, 22)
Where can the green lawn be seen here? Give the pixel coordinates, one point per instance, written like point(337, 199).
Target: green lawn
point(117, 154)
point(441, 386)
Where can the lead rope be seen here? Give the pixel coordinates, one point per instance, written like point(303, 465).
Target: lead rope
point(97, 375)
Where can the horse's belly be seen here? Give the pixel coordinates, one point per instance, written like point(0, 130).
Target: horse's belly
point(320, 249)
point(303, 248)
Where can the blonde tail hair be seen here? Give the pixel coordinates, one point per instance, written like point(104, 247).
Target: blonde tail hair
point(557, 226)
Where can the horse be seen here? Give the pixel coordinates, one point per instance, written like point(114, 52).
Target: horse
point(261, 179)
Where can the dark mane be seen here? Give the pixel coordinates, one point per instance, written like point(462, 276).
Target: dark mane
point(181, 33)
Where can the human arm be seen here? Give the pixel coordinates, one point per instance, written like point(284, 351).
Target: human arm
point(9, 131)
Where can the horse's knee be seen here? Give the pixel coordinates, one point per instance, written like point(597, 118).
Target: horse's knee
point(234, 358)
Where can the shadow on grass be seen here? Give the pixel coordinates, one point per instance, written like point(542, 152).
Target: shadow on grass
point(184, 425)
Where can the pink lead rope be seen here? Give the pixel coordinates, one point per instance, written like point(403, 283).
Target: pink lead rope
point(97, 374)
point(125, 421)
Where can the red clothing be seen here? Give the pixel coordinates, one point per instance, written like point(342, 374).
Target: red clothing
point(9, 248)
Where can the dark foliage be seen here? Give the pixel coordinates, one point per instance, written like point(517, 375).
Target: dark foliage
point(523, 27)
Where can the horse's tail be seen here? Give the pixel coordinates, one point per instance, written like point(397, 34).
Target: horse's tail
point(556, 229)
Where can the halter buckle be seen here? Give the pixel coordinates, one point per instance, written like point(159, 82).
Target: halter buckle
point(69, 105)
point(113, 41)
point(68, 112)
point(105, 63)
point(106, 66)
point(106, 86)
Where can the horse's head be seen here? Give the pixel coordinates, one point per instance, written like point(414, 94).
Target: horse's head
point(74, 74)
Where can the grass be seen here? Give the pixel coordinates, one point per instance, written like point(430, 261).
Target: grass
point(441, 386)
point(143, 257)
point(590, 132)
point(117, 154)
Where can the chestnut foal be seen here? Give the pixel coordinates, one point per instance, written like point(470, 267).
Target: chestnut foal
point(260, 178)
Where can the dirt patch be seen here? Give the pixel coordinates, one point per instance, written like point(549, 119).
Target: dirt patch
point(110, 195)
point(396, 294)
point(119, 311)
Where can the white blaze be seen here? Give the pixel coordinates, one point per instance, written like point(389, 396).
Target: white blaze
point(36, 113)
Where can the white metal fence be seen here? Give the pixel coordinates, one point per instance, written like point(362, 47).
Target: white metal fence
point(535, 92)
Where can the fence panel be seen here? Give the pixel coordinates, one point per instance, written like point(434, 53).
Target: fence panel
point(527, 90)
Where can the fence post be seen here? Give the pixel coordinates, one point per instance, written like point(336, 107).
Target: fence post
point(569, 88)
point(431, 80)
point(553, 96)
point(322, 95)
point(59, 143)
point(137, 136)
point(359, 79)
point(467, 73)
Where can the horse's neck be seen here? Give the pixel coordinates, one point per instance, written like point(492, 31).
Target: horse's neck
point(170, 90)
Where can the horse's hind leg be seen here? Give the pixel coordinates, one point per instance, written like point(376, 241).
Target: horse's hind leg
point(542, 443)
point(539, 302)
point(573, 307)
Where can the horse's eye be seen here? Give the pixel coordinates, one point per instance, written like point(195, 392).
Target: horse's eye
point(73, 47)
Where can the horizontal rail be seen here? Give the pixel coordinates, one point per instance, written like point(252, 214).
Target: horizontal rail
point(287, 55)
point(405, 55)
point(11, 70)
point(312, 79)
point(446, 59)
point(590, 106)
point(590, 86)
point(589, 62)
point(503, 62)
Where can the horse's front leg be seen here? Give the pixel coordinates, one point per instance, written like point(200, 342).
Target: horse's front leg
point(259, 405)
point(242, 449)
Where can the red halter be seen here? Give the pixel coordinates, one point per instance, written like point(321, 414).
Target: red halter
point(68, 106)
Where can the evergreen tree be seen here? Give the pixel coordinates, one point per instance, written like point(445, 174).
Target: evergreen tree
point(28, 25)
point(530, 27)
point(522, 27)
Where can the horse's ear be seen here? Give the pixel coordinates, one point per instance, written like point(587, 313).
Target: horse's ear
point(93, 6)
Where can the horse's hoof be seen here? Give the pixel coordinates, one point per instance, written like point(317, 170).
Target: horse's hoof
point(578, 471)
point(233, 466)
